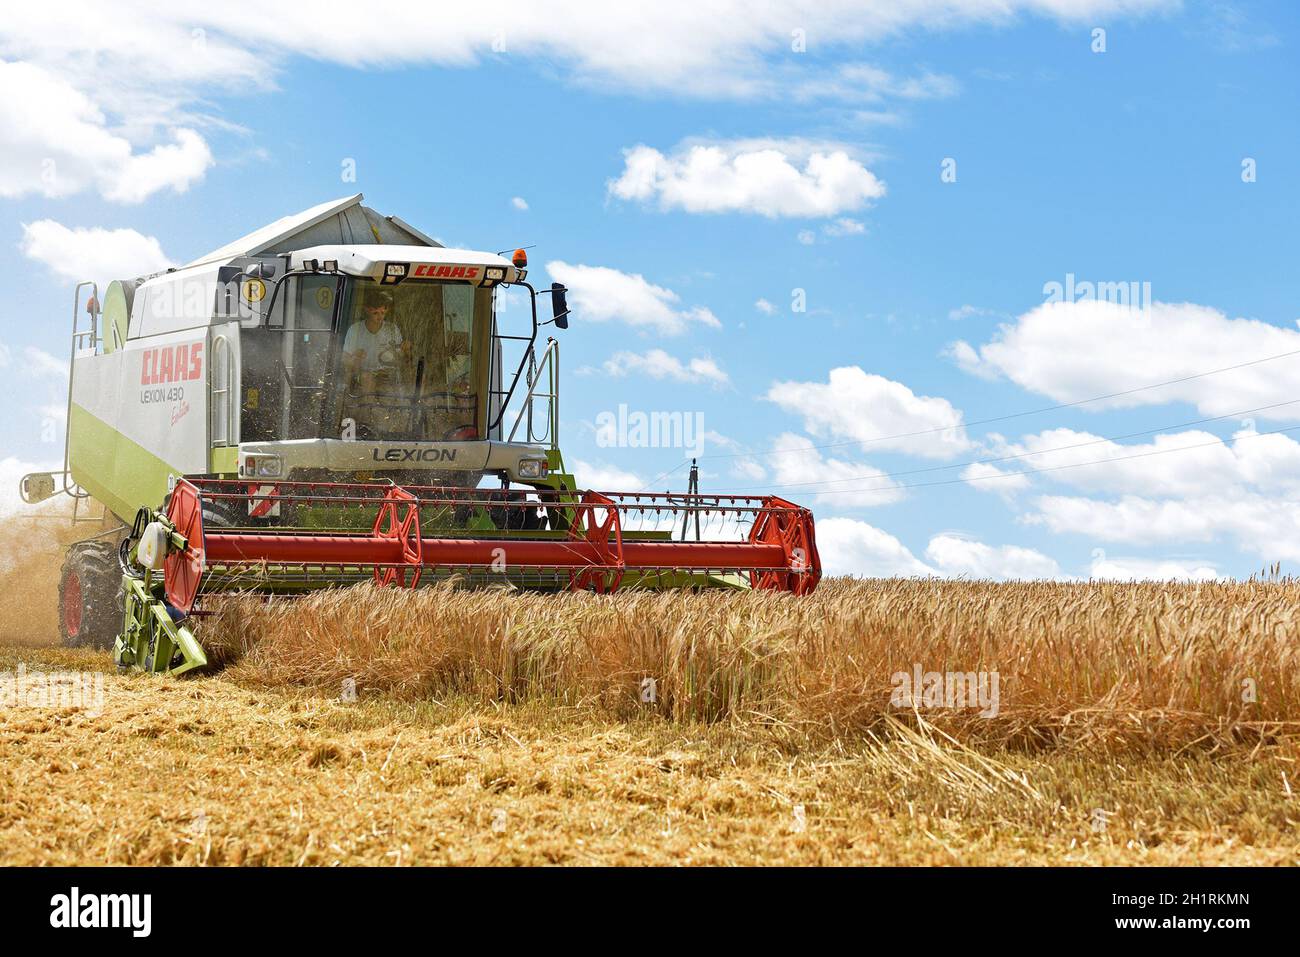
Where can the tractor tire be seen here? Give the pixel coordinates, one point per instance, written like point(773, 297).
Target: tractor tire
point(220, 514)
point(90, 596)
point(514, 518)
point(228, 513)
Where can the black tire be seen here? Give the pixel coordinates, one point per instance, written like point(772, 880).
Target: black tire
point(220, 514)
point(233, 513)
point(515, 518)
point(90, 596)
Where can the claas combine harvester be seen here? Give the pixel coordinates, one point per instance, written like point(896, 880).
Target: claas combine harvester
point(332, 399)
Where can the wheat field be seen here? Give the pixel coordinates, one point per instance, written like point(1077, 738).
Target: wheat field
point(1136, 667)
point(1132, 723)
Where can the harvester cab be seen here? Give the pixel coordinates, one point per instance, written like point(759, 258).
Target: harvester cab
point(335, 397)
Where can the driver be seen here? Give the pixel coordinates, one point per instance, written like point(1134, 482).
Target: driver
point(374, 343)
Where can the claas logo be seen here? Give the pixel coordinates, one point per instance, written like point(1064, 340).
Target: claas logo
point(434, 271)
point(180, 363)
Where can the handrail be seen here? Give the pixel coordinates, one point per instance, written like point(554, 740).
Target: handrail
point(221, 347)
point(78, 336)
point(550, 362)
point(528, 354)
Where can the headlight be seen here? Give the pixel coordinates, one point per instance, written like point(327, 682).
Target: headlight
point(494, 273)
point(263, 466)
point(532, 468)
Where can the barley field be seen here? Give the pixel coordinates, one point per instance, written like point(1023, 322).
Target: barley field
point(1117, 723)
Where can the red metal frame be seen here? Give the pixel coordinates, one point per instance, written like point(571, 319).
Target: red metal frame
point(405, 528)
point(605, 536)
point(786, 524)
point(773, 541)
point(183, 570)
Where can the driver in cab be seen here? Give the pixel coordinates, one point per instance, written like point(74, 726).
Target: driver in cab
point(373, 347)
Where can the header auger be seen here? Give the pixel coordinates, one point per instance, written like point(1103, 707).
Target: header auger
point(321, 403)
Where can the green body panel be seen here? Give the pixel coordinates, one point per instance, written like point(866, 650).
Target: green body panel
point(116, 471)
point(225, 461)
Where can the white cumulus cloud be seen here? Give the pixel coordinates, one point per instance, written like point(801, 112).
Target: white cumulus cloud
point(123, 100)
point(960, 556)
point(990, 478)
point(772, 178)
point(1173, 465)
point(57, 141)
point(658, 364)
point(861, 406)
point(602, 294)
point(1264, 526)
point(1190, 486)
point(78, 253)
point(851, 547)
point(828, 480)
point(847, 546)
point(1149, 569)
point(1070, 351)
point(605, 478)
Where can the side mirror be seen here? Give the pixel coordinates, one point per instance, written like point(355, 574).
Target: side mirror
point(559, 306)
point(36, 487)
point(260, 271)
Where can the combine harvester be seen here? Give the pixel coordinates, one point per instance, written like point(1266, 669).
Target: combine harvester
point(323, 402)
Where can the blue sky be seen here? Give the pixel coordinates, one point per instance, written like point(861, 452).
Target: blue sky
point(688, 172)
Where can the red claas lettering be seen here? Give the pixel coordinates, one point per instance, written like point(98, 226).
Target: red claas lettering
point(182, 363)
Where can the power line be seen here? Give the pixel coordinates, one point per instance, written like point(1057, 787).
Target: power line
point(650, 484)
point(1009, 416)
point(1023, 455)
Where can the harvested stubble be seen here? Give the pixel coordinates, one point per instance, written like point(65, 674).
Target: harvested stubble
point(217, 773)
point(1114, 667)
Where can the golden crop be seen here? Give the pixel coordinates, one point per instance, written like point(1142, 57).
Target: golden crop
point(1119, 666)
